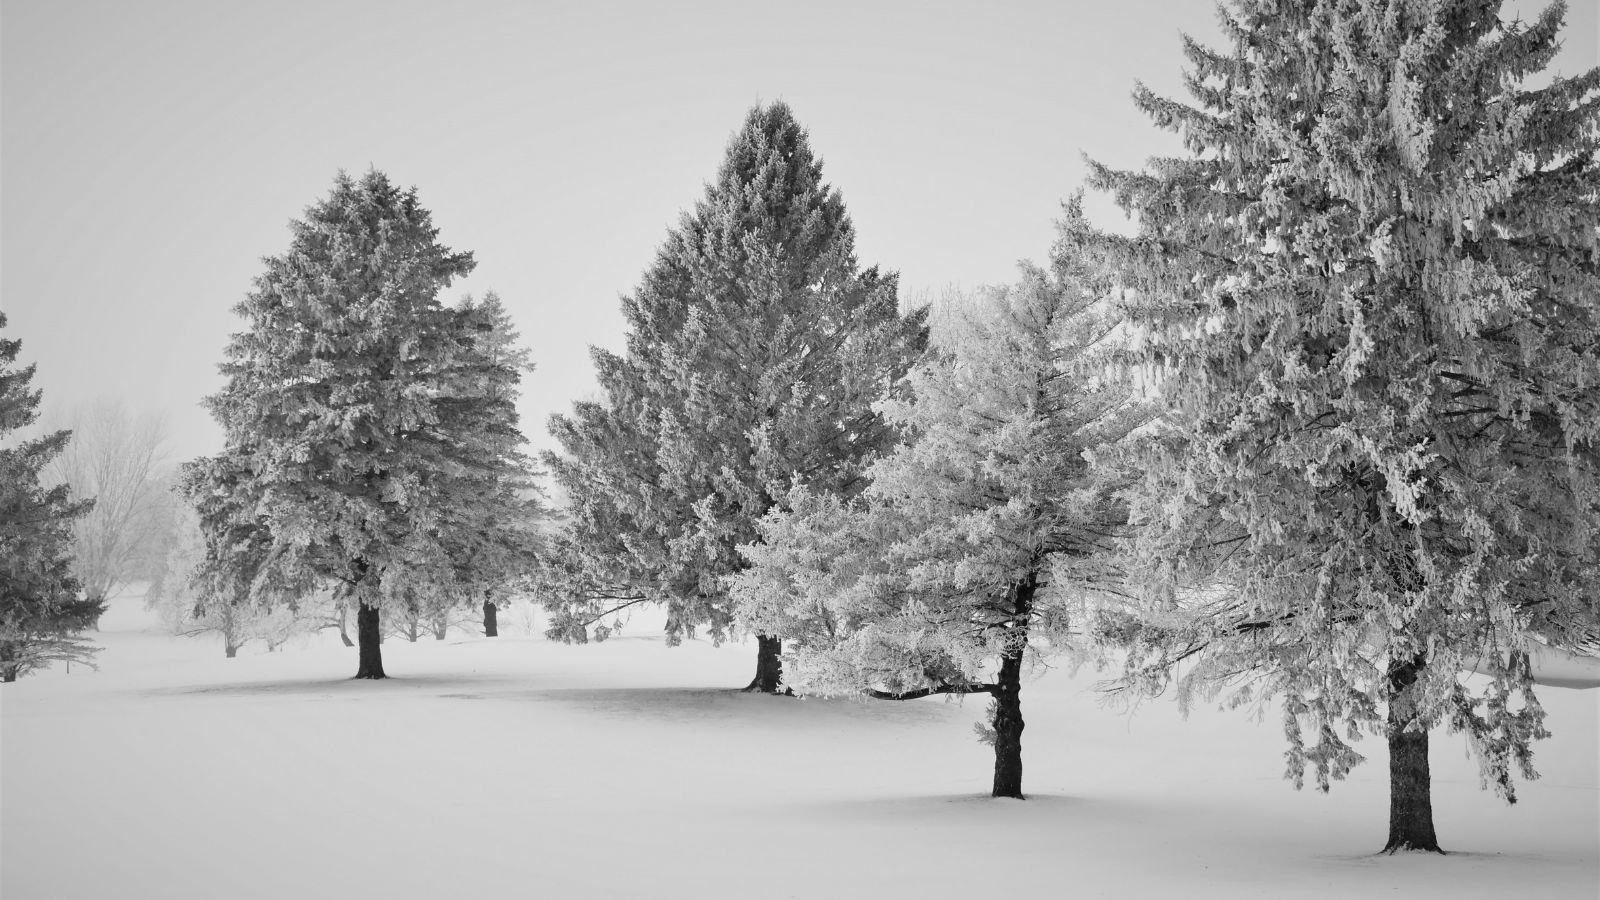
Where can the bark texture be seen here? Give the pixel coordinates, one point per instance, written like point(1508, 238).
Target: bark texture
point(1008, 727)
point(491, 619)
point(369, 639)
point(1410, 782)
point(769, 666)
point(1008, 722)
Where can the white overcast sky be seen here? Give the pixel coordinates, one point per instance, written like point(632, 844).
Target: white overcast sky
point(152, 152)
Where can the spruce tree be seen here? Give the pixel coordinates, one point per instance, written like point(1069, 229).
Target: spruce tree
point(980, 543)
point(756, 348)
point(1367, 296)
point(358, 430)
point(41, 610)
point(494, 544)
point(488, 532)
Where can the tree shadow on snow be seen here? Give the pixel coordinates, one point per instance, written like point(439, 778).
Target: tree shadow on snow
point(690, 704)
point(1038, 806)
point(1454, 858)
point(457, 686)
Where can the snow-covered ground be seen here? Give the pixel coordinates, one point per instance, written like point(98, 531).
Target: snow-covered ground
point(514, 767)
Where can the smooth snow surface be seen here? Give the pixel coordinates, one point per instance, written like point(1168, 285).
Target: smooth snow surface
point(514, 767)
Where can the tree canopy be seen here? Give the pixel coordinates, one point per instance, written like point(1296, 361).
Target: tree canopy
point(1366, 296)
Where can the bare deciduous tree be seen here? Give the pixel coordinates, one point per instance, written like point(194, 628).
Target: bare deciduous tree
point(115, 458)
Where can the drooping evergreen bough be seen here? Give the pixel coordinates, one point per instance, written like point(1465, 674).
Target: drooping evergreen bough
point(981, 542)
point(173, 591)
point(756, 348)
point(236, 577)
point(361, 437)
point(42, 611)
point(1369, 296)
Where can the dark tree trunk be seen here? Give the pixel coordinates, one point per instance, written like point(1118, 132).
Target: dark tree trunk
point(1410, 783)
point(769, 665)
point(1008, 727)
point(1008, 722)
point(368, 636)
point(8, 662)
point(491, 619)
point(230, 633)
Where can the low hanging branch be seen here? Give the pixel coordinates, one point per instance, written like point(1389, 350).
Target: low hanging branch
point(628, 601)
point(933, 691)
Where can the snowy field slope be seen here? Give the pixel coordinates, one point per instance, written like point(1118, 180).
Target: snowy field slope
point(517, 767)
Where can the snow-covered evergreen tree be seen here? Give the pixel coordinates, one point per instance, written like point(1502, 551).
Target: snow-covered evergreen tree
point(359, 436)
point(983, 541)
point(756, 348)
point(494, 542)
point(1368, 296)
point(41, 610)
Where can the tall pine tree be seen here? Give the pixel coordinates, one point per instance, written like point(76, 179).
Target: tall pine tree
point(1368, 297)
point(359, 433)
point(756, 348)
point(41, 610)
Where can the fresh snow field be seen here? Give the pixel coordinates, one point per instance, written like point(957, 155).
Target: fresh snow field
point(515, 767)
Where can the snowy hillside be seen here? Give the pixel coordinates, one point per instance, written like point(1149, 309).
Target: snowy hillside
point(517, 767)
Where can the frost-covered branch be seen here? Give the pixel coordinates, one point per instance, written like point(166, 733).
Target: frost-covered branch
point(919, 693)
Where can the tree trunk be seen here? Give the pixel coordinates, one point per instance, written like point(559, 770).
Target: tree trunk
point(230, 633)
point(491, 619)
point(769, 666)
point(1410, 783)
point(1008, 722)
point(368, 634)
point(8, 662)
point(1008, 727)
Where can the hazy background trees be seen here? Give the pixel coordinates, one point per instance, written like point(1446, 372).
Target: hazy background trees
point(187, 591)
point(119, 458)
